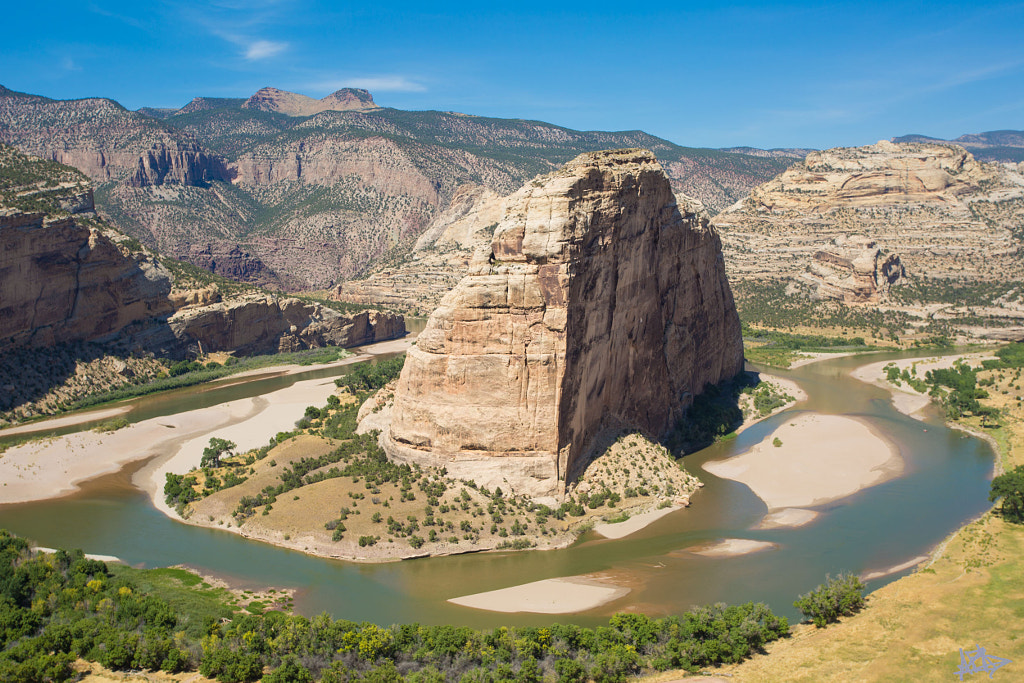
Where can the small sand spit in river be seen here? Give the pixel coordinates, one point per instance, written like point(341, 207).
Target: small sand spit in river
point(550, 596)
point(818, 459)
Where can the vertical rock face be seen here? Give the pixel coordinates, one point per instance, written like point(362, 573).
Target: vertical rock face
point(181, 164)
point(62, 281)
point(601, 303)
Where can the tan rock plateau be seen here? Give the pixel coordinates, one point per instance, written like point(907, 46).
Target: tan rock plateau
point(945, 214)
point(601, 303)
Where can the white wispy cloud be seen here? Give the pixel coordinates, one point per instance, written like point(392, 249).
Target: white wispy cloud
point(371, 83)
point(264, 49)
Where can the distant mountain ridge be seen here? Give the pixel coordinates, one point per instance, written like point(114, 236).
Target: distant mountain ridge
point(993, 145)
point(292, 192)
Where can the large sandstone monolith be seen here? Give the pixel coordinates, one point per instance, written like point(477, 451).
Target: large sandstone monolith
point(599, 305)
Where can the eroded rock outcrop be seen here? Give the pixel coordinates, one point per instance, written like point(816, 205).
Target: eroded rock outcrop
point(181, 164)
point(600, 303)
point(854, 270)
point(262, 324)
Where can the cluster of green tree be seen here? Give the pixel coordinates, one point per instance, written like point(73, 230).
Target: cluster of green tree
point(800, 342)
point(366, 377)
point(186, 366)
point(841, 596)
point(56, 608)
point(1009, 489)
point(964, 292)
point(1009, 357)
point(769, 304)
point(958, 389)
point(766, 398)
point(895, 376)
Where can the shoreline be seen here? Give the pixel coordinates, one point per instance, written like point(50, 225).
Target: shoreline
point(54, 467)
point(364, 353)
point(903, 397)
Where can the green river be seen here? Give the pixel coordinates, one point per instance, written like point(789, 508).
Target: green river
point(944, 484)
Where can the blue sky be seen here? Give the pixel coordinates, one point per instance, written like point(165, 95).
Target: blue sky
point(700, 74)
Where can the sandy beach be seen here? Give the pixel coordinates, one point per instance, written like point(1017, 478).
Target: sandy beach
point(808, 357)
point(904, 398)
point(550, 596)
point(821, 458)
point(67, 421)
point(868, 576)
point(50, 468)
point(634, 523)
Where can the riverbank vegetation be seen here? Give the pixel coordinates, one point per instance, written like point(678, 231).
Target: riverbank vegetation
point(966, 594)
point(61, 607)
point(781, 349)
point(720, 409)
point(47, 382)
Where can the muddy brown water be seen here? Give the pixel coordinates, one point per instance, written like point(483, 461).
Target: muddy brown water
point(945, 484)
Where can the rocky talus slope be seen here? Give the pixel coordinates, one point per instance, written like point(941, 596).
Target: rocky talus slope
point(948, 219)
point(285, 190)
point(601, 303)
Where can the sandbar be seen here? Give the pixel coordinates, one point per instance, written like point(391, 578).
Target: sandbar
point(897, 568)
point(731, 547)
point(821, 458)
point(88, 556)
point(58, 422)
point(549, 596)
point(634, 523)
point(366, 353)
point(787, 518)
point(51, 468)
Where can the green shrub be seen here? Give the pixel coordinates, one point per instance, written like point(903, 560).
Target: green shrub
point(838, 597)
point(1009, 488)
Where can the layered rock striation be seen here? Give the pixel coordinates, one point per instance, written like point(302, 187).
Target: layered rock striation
point(62, 281)
point(854, 270)
point(600, 303)
point(948, 216)
point(268, 324)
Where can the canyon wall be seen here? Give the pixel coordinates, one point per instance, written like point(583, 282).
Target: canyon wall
point(62, 281)
point(601, 303)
